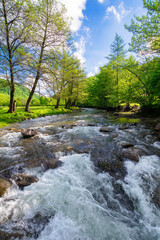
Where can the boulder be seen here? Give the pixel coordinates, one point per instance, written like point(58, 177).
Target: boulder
point(133, 154)
point(92, 124)
point(27, 133)
point(50, 164)
point(107, 157)
point(126, 144)
point(4, 185)
point(157, 127)
point(69, 126)
point(124, 127)
point(23, 180)
point(106, 129)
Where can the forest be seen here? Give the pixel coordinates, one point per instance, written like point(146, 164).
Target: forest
point(37, 52)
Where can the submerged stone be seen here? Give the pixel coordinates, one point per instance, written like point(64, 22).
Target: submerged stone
point(106, 129)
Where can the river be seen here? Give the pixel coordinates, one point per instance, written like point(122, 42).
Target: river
point(78, 200)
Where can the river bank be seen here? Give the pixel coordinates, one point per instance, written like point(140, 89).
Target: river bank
point(21, 115)
point(105, 184)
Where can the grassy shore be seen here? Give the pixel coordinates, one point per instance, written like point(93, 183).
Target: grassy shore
point(21, 115)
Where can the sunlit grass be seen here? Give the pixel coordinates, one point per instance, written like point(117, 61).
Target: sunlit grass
point(21, 115)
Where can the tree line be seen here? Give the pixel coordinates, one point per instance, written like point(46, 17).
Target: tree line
point(133, 79)
point(36, 48)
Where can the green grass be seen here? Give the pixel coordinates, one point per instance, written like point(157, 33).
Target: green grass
point(21, 115)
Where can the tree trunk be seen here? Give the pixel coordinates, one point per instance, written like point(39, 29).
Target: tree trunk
point(14, 105)
point(57, 104)
point(10, 58)
point(32, 93)
point(68, 104)
point(38, 71)
point(74, 103)
point(11, 105)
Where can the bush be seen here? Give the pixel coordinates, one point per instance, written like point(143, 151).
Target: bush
point(35, 102)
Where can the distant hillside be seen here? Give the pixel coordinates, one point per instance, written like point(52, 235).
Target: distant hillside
point(20, 91)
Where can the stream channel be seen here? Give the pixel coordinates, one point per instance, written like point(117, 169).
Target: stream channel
point(95, 192)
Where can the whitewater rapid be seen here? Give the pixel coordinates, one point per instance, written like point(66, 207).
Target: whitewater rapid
point(73, 197)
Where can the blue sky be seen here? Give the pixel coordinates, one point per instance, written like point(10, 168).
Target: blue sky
point(95, 23)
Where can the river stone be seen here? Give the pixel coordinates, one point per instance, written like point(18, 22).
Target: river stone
point(92, 124)
point(126, 144)
point(108, 157)
point(23, 180)
point(27, 133)
point(106, 129)
point(50, 164)
point(157, 127)
point(4, 235)
point(69, 126)
point(4, 185)
point(133, 154)
point(124, 127)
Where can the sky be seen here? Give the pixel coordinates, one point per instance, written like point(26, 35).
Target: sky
point(94, 25)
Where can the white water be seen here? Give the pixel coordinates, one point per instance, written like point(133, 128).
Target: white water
point(72, 196)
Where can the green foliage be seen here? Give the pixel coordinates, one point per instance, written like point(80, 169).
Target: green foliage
point(35, 102)
point(145, 29)
point(117, 49)
point(101, 89)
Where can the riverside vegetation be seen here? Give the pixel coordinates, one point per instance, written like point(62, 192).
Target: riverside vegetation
point(53, 70)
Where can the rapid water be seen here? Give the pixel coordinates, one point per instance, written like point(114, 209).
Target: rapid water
point(76, 201)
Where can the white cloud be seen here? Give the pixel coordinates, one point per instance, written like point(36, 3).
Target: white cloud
point(119, 13)
point(101, 1)
point(75, 12)
point(80, 46)
point(96, 69)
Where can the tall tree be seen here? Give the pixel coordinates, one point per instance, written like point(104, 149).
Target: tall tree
point(145, 30)
point(14, 26)
point(116, 56)
point(50, 31)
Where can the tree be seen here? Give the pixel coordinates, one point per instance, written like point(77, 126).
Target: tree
point(116, 57)
point(101, 90)
point(76, 76)
point(14, 27)
point(50, 31)
point(57, 74)
point(145, 29)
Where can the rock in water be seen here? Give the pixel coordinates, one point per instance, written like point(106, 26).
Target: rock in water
point(106, 129)
point(133, 154)
point(27, 133)
point(157, 127)
point(126, 144)
point(23, 180)
point(4, 185)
